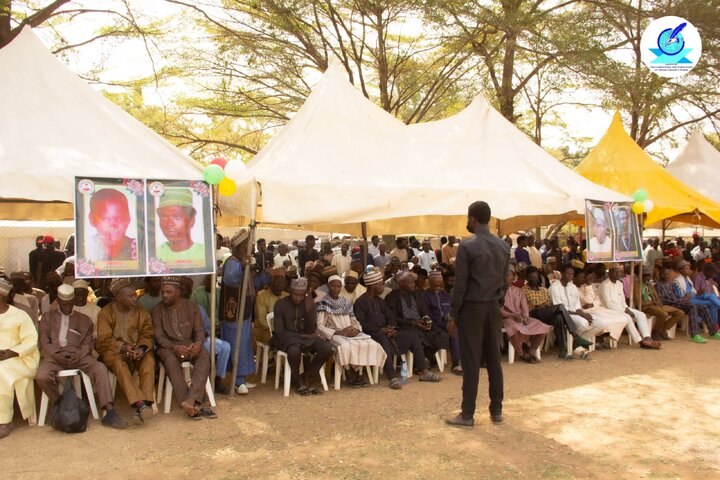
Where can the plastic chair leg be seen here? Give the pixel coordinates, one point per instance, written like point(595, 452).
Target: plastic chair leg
point(90, 395)
point(338, 375)
point(287, 378)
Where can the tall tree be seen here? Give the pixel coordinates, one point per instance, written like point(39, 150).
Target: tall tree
point(12, 20)
point(656, 106)
point(515, 40)
point(264, 54)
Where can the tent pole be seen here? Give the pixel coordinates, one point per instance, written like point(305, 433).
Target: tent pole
point(243, 297)
point(640, 271)
point(364, 248)
point(664, 227)
point(213, 286)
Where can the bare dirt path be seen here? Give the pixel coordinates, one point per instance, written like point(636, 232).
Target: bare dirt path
point(626, 414)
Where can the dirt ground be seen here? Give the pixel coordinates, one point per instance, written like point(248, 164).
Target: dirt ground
point(627, 414)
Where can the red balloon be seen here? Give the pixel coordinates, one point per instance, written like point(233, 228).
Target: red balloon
point(220, 162)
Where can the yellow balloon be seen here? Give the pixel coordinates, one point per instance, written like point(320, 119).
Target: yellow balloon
point(227, 187)
point(637, 207)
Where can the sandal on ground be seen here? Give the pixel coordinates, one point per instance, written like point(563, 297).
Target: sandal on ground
point(197, 416)
point(585, 356)
point(208, 413)
point(456, 370)
point(395, 384)
point(430, 377)
point(302, 391)
point(315, 391)
point(526, 358)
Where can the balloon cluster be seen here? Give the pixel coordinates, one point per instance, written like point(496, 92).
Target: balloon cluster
point(224, 174)
point(642, 203)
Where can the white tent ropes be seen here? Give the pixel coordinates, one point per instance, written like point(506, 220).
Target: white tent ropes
point(698, 165)
point(342, 161)
point(54, 126)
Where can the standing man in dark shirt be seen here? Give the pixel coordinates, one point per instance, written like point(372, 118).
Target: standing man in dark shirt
point(480, 267)
point(33, 257)
point(522, 255)
point(263, 258)
point(307, 254)
point(49, 260)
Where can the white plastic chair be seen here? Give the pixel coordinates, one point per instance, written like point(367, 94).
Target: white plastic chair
point(44, 400)
point(372, 371)
point(263, 354)
point(186, 366)
point(408, 358)
point(281, 360)
point(651, 324)
point(511, 349)
point(113, 386)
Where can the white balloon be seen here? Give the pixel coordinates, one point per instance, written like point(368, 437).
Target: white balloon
point(235, 169)
point(649, 205)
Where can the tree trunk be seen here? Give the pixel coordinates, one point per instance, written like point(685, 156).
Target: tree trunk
point(507, 92)
point(5, 6)
point(383, 71)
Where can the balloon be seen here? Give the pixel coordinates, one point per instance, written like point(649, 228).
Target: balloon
point(638, 208)
point(640, 195)
point(227, 187)
point(235, 169)
point(219, 161)
point(213, 174)
point(648, 205)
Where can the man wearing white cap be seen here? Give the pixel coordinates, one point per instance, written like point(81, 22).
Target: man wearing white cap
point(336, 321)
point(352, 290)
point(66, 342)
point(19, 359)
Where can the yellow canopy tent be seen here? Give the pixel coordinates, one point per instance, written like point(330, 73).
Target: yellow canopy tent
point(618, 163)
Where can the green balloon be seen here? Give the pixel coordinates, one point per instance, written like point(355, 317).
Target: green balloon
point(640, 195)
point(213, 174)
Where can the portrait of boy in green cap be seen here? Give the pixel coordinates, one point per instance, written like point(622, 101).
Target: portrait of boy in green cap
point(177, 216)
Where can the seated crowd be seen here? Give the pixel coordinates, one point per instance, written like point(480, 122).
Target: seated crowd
point(362, 311)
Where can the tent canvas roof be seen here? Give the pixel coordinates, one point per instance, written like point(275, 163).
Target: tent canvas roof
point(619, 163)
point(698, 165)
point(342, 160)
point(54, 126)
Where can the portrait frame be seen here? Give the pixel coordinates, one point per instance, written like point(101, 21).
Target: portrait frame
point(104, 248)
point(626, 248)
point(599, 251)
point(164, 234)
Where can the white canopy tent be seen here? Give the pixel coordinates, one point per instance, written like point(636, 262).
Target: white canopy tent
point(698, 165)
point(54, 126)
point(342, 161)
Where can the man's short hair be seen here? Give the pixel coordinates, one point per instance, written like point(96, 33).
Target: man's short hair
point(374, 237)
point(310, 237)
point(531, 269)
point(480, 211)
point(521, 238)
